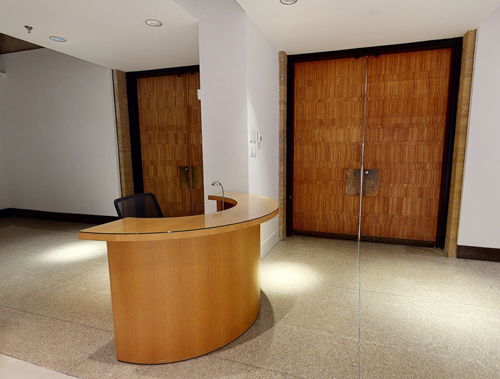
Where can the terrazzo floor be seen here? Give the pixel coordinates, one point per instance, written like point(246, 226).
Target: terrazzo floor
point(329, 309)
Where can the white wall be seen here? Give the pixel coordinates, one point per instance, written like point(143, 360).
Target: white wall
point(58, 133)
point(263, 111)
point(222, 26)
point(4, 183)
point(480, 209)
point(263, 115)
point(239, 70)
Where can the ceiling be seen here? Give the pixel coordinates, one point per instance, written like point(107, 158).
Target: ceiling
point(328, 25)
point(113, 33)
point(110, 33)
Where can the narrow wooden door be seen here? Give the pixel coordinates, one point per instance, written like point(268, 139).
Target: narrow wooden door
point(328, 122)
point(195, 143)
point(170, 133)
point(407, 103)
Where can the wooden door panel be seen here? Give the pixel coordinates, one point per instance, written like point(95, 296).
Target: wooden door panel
point(328, 120)
point(195, 141)
point(164, 140)
point(407, 101)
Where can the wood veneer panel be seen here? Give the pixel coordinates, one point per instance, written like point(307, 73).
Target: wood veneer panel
point(164, 134)
point(177, 299)
point(195, 142)
point(251, 210)
point(405, 130)
point(328, 120)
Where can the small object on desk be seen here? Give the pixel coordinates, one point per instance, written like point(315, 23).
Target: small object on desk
point(216, 183)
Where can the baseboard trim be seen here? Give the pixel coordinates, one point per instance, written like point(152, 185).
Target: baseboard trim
point(268, 244)
point(399, 241)
point(325, 235)
point(56, 216)
point(352, 237)
point(478, 253)
point(7, 212)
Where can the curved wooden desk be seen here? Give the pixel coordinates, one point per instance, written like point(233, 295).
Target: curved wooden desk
point(183, 287)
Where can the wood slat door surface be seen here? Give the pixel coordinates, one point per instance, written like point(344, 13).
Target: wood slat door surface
point(167, 125)
point(328, 121)
point(195, 142)
point(407, 103)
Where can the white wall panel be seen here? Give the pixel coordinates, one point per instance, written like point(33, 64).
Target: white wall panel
point(480, 209)
point(59, 134)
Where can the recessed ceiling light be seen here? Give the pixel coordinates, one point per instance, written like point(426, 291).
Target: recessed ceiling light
point(154, 23)
point(57, 39)
point(288, 2)
point(374, 13)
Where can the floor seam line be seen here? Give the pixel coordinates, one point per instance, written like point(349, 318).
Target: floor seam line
point(482, 277)
point(258, 367)
point(58, 319)
point(430, 298)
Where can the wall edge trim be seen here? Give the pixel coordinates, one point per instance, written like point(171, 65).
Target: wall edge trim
point(478, 253)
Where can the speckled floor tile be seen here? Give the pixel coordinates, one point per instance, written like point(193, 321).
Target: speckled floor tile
point(406, 337)
point(427, 276)
point(20, 246)
point(8, 253)
point(320, 308)
point(422, 315)
point(103, 364)
point(295, 351)
point(278, 298)
point(209, 367)
point(315, 260)
point(12, 368)
point(488, 271)
point(85, 299)
point(13, 232)
point(54, 344)
point(33, 273)
point(47, 237)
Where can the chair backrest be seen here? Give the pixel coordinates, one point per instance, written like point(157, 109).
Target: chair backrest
point(142, 205)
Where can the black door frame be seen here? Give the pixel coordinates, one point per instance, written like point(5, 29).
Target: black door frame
point(133, 114)
point(456, 45)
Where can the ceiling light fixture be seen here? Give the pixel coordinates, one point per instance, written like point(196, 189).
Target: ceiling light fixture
point(288, 2)
point(28, 28)
point(154, 23)
point(57, 39)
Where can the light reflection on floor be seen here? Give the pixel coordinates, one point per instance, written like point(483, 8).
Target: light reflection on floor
point(67, 253)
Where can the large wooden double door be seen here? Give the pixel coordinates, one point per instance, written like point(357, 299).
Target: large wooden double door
point(169, 115)
point(386, 115)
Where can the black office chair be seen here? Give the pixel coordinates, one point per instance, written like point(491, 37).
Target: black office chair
point(142, 205)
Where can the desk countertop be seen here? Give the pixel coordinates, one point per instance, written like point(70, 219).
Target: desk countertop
point(249, 210)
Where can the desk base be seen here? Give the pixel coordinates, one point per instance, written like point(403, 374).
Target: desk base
point(182, 298)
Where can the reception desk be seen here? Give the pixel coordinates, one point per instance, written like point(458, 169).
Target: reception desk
point(183, 287)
